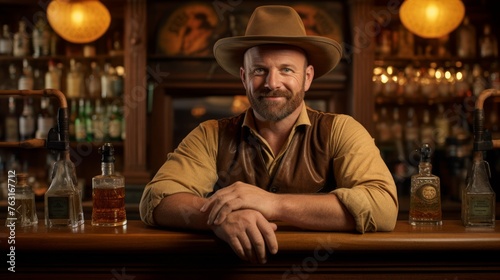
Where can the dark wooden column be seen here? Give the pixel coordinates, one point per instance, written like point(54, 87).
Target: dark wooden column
point(363, 30)
point(135, 99)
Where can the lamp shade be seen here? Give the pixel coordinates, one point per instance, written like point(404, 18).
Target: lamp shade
point(431, 18)
point(78, 21)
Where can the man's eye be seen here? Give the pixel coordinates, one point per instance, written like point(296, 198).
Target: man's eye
point(258, 71)
point(287, 70)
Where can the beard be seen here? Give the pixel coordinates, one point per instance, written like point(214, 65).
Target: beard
point(275, 110)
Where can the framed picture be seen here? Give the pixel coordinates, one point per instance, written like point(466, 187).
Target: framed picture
point(191, 29)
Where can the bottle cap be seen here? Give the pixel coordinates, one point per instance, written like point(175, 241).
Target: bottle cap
point(107, 152)
point(425, 153)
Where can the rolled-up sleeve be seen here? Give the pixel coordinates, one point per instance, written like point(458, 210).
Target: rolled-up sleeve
point(365, 184)
point(190, 169)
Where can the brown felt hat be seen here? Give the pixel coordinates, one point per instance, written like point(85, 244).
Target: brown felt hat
point(275, 24)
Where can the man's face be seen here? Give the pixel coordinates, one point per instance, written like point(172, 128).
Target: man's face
point(276, 78)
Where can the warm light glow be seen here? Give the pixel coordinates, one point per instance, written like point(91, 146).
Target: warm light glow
point(78, 21)
point(431, 18)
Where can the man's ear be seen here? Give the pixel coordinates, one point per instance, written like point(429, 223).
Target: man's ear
point(309, 76)
point(243, 77)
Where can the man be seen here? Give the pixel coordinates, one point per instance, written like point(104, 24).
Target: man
point(278, 161)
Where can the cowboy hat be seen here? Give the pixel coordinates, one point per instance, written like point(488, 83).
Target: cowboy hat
point(275, 24)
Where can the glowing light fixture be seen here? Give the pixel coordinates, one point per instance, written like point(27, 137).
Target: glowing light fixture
point(431, 18)
point(78, 21)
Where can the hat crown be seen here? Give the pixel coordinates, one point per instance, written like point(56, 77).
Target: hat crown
point(275, 21)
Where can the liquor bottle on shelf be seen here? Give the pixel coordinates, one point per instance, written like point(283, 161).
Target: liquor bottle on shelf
point(108, 192)
point(479, 83)
point(21, 47)
point(488, 44)
point(98, 122)
point(6, 42)
point(115, 123)
point(466, 39)
point(93, 81)
point(89, 129)
point(26, 81)
point(12, 82)
point(425, 193)
point(80, 127)
point(72, 119)
point(411, 131)
point(45, 120)
point(383, 127)
point(442, 126)
point(27, 120)
point(75, 80)
point(41, 38)
point(53, 76)
point(12, 122)
point(63, 199)
point(107, 88)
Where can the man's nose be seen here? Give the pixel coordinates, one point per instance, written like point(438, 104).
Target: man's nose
point(273, 80)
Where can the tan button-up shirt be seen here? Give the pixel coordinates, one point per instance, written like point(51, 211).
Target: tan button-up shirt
point(365, 185)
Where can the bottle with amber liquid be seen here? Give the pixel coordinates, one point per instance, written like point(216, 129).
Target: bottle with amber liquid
point(425, 193)
point(108, 192)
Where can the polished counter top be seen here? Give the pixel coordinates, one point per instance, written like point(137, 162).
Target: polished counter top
point(147, 252)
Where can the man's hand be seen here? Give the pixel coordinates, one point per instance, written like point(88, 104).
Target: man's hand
point(239, 196)
point(249, 234)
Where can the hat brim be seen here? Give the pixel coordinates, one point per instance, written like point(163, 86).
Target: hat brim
point(322, 53)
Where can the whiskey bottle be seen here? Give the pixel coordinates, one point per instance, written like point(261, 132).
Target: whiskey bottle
point(108, 192)
point(45, 120)
point(26, 80)
point(5, 41)
point(93, 81)
point(53, 76)
point(12, 122)
point(466, 39)
point(27, 120)
point(75, 81)
point(63, 200)
point(478, 198)
point(425, 193)
point(21, 47)
point(23, 212)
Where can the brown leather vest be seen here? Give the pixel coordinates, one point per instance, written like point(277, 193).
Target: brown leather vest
point(305, 167)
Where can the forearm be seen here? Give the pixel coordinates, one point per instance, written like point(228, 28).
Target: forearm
point(181, 210)
point(314, 211)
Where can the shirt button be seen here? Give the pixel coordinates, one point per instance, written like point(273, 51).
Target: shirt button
point(274, 189)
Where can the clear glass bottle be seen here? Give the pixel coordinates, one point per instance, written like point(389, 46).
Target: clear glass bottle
point(108, 192)
point(53, 76)
point(41, 38)
point(12, 122)
point(466, 39)
point(425, 193)
point(26, 80)
point(63, 200)
point(23, 212)
point(6, 42)
point(75, 81)
point(21, 41)
point(478, 198)
point(98, 122)
point(94, 81)
point(45, 120)
point(80, 127)
point(115, 123)
point(27, 120)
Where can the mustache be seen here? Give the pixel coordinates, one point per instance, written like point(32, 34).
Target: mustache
point(274, 93)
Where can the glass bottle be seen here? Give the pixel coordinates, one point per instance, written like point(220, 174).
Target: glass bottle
point(115, 123)
point(26, 80)
point(108, 192)
point(12, 82)
point(426, 129)
point(41, 38)
point(488, 44)
point(23, 212)
point(45, 120)
point(6, 42)
point(478, 198)
point(72, 120)
point(107, 78)
point(12, 122)
point(411, 131)
point(21, 41)
point(27, 120)
point(98, 122)
point(74, 81)
point(425, 193)
point(63, 201)
point(89, 129)
point(94, 81)
point(442, 126)
point(80, 127)
point(466, 39)
point(53, 76)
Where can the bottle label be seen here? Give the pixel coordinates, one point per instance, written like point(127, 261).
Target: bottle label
point(480, 207)
point(58, 207)
point(428, 194)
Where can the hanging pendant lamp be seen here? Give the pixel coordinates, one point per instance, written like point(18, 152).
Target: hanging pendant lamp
point(78, 21)
point(431, 18)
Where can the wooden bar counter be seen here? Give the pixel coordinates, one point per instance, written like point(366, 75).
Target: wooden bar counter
point(136, 251)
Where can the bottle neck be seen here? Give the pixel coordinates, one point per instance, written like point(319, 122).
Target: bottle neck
point(424, 168)
point(108, 168)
